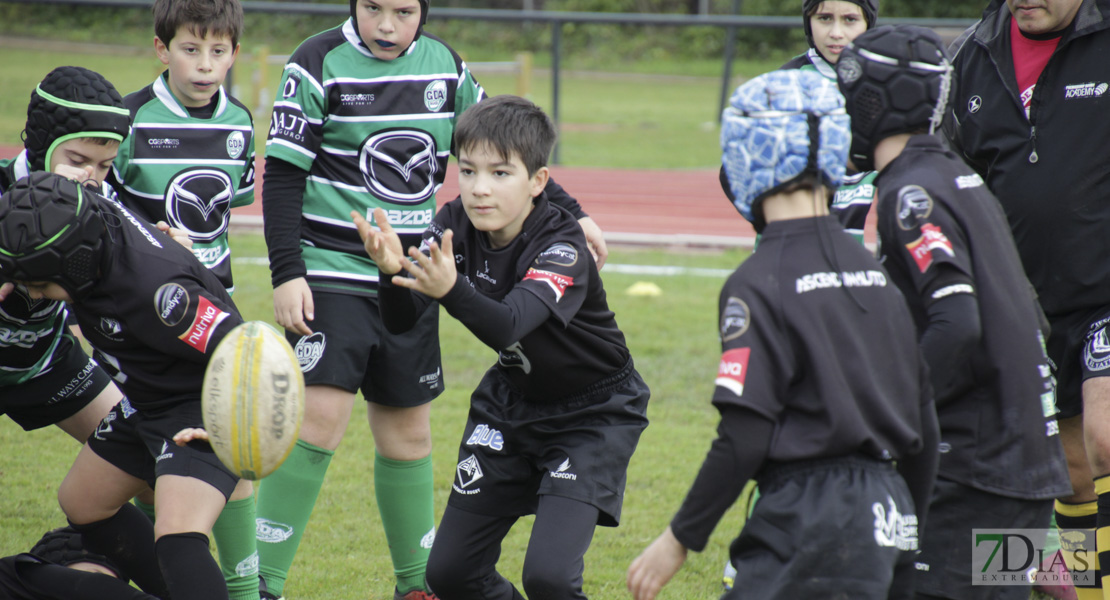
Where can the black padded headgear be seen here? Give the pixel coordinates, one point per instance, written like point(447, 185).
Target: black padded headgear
point(63, 546)
point(870, 12)
point(419, 30)
point(894, 80)
point(71, 102)
point(51, 230)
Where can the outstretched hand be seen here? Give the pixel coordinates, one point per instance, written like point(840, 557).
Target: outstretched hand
point(383, 245)
point(433, 275)
point(655, 566)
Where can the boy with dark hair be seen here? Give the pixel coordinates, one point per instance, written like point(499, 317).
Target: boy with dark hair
point(555, 421)
point(946, 244)
point(188, 161)
point(146, 301)
point(364, 120)
point(824, 397)
point(190, 157)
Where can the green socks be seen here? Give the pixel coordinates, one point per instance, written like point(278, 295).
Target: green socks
point(233, 533)
point(285, 501)
point(407, 506)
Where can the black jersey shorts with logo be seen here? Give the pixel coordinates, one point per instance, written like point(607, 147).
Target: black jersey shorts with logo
point(513, 451)
point(140, 443)
point(1079, 346)
point(944, 567)
point(351, 349)
point(829, 528)
point(71, 383)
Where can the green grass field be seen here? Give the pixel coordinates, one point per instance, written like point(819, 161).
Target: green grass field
point(344, 554)
point(606, 120)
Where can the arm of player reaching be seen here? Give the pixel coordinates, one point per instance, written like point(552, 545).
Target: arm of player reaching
point(743, 439)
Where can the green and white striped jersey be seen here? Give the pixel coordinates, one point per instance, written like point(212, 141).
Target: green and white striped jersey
point(370, 133)
point(186, 170)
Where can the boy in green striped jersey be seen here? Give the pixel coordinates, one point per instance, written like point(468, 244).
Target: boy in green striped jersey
point(188, 160)
point(363, 120)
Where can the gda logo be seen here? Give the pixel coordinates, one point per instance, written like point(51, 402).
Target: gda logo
point(198, 202)
point(400, 165)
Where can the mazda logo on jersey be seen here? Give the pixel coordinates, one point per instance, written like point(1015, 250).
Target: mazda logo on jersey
point(400, 165)
point(198, 202)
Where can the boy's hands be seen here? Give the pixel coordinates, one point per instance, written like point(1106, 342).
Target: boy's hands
point(432, 275)
point(175, 234)
point(384, 246)
point(189, 434)
point(595, 239)
point(655, 566)
point(293, 306)
point(5, 289)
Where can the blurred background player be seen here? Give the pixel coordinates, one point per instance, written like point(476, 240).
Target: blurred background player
point(364, 120)
point(145, 301)
point(823, 394)
point(1027, 105)
point(830, 25)
point(188, 161)
point(946, 245)
point(554, 422)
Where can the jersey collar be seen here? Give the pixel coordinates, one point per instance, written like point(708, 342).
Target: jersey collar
point(166, 97)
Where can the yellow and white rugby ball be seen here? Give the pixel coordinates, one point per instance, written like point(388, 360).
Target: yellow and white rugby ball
point(253, 400)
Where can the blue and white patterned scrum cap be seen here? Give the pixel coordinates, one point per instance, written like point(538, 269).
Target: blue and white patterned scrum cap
point(766, 137)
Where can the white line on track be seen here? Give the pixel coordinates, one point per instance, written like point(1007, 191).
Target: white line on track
point(653, 270)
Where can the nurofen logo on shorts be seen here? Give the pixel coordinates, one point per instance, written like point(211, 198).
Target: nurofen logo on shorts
point(272, 532)
point(309, 349)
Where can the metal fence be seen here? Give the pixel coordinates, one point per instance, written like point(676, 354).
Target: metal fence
point(556, 20)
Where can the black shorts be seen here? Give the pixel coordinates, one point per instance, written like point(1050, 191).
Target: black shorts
point(944, 567)
point(71, 383)
point(351, 349)
point(844, 525)
point(514, 451)
point(140, 443)
point(1079, 347)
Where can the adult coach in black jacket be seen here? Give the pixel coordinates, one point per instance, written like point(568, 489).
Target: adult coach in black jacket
point(1029, 113)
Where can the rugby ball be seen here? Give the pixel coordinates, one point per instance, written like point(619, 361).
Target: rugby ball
point(253, 400)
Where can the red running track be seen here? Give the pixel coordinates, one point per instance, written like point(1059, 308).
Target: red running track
point(658, 207)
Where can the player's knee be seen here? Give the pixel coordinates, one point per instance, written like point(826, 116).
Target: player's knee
point(449, 577)
point(550, 580)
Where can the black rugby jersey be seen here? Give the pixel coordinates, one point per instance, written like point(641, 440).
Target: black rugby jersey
point(998, 429)
point(577, 345)
point(815, 338)
point(30, 330)
point(155, 313)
